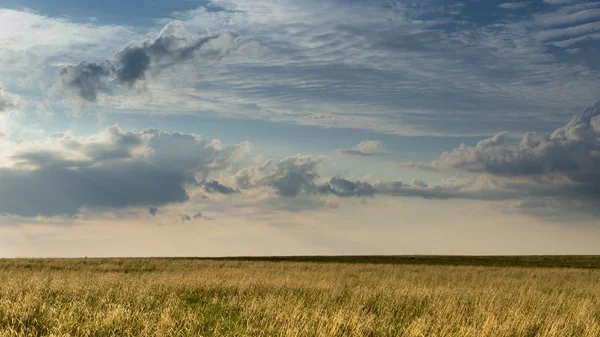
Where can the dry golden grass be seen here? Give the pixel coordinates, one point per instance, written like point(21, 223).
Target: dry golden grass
point(153, 297)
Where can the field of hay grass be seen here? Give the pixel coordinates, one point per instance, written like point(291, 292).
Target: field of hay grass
point(360, 296)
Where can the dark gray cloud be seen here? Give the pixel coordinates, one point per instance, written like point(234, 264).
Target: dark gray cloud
point(167, 50)
point(50, 191)
point(111, 169)
point(197, 216)
point(132, 64)
point(214, 186)
point(87, 80)
point(346, 188)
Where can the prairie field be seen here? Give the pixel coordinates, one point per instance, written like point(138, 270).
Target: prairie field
point(385, 296)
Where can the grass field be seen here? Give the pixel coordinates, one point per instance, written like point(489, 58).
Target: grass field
point(335, 296)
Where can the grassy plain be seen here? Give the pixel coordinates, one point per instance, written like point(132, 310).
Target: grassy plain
point(319, 296)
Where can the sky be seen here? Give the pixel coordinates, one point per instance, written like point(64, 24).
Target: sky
point(287, 127)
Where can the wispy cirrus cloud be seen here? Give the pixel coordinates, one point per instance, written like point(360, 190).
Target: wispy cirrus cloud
point(401, 68)
point(514, 5)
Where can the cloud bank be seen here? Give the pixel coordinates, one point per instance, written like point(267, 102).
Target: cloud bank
point(115, 168)
point(561, 165)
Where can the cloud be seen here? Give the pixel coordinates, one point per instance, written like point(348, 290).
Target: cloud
point(558, 18)
point(64, 173)
point(172, 47)
point(34, 45)
point(288, 177)
point(405, 68)
point(559, 2)
point(86, 79)
point(578, 30)
point(562, 164)
point(298, 178)
point(119, 169)
point(569, 151)
point(8, 101)
point(569, 42)
point(513, 5)
point(345, 188)
point(538, 170)
point(367, 148)
point(60, 191)
point(197, 216)
point(174, 149)
point(214, 186)
point(419, 166)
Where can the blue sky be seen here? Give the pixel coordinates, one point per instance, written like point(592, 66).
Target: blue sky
point(350, 122)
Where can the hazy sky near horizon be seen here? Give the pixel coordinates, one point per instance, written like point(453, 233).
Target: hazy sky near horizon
point(277, 127)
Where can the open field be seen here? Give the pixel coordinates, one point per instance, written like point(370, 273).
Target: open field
point(392, 296)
